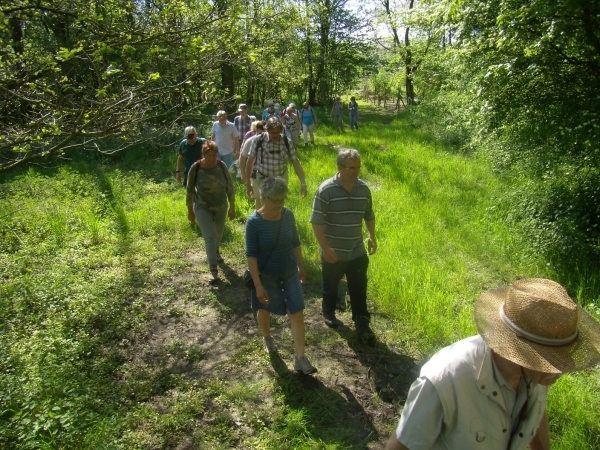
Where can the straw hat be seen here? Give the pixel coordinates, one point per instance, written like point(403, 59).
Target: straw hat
point(534, 323)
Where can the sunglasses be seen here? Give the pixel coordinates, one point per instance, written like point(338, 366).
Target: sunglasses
point(191, 136)
point(279, 201)
point(352, 168)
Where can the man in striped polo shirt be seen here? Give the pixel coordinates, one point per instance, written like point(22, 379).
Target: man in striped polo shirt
point(341, 204)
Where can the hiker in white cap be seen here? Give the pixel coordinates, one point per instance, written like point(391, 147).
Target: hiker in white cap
point(489, 391)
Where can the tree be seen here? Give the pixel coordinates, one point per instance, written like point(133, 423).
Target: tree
point(533, 104)
point(76, 73)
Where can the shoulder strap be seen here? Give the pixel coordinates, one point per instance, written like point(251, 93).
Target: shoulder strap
point(259, 146)
point(286, 142)
point(224, 168)
point(197, 165)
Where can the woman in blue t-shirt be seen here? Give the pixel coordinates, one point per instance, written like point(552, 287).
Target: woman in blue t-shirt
point(309, 122)
point(275, 263)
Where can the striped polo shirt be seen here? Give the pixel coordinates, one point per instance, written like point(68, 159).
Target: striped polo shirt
point(342, 213)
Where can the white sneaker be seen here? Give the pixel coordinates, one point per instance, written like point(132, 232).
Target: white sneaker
point(303, 365)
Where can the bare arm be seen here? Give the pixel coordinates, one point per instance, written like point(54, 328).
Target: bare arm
point(328, 253)
point(300, 173)
point(249, 167)
point(372, 240)
point(298, 252)
point(394, 444)
point(179, 167)
point(541, 440)
point(261, 293)
point(190, 190)
point(243, 160)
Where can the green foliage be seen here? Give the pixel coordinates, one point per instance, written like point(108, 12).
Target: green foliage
point(569, 426)
point(79, 73)
point(519, 83)
point(88, 255)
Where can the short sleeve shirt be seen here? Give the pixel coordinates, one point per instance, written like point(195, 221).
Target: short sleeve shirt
point(190, 153)
point(272, 242)
point(472, 420)
point(341, 213)
point(242, 126)
point(248, 142)
point(225, 137)
point(338, 108)
point(272, 158)
point(210, 187)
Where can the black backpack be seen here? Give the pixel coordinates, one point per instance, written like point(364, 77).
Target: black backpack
point(260, 146)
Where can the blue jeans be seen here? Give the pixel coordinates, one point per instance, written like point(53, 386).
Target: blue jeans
point(353, 121)
point(284, 290)
point(227, 159)
point(356, 276)
point(212, 224)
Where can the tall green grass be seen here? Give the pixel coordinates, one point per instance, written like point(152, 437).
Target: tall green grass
point(88, 251)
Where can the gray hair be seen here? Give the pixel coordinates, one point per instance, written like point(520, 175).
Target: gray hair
point(345, 154)
point(221, 114)
point(189, 130)
point(258, 125)
point(273, 186)
point(273, 123)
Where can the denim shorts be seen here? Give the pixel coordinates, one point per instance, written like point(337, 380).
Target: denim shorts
point(285, 293)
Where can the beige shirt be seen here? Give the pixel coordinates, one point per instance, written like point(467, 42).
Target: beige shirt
point(461, 402)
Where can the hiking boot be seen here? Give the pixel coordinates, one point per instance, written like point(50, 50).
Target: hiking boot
point(303, 365)
point(331, 321)
point(363, 330)
point(269, 345)
point(366, 335)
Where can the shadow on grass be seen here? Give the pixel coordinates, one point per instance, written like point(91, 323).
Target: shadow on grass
point(330, 416)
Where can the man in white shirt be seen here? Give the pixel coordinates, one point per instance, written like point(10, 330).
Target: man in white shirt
point(489, 391)
point(225, 135)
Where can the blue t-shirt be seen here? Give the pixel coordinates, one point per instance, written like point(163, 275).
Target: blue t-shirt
point(261, 237)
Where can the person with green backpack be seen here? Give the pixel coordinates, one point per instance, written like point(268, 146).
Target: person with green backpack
point(209, 190)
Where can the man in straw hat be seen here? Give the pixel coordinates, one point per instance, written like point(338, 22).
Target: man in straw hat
point(489, 391)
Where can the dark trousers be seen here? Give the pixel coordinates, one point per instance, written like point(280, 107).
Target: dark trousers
point(356, 276)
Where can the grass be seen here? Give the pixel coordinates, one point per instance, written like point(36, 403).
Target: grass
point(89, 251)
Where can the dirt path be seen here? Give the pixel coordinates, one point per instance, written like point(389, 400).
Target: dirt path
point(354, 397)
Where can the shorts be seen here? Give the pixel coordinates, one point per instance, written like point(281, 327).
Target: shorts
point(257, 183)
point(285, 293)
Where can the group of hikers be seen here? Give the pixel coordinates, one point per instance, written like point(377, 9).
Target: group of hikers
point(487, 391)
point(273, 250)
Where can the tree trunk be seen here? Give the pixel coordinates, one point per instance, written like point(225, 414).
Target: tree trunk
point(391, 23)
point(227, 81)
point(410, 91)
